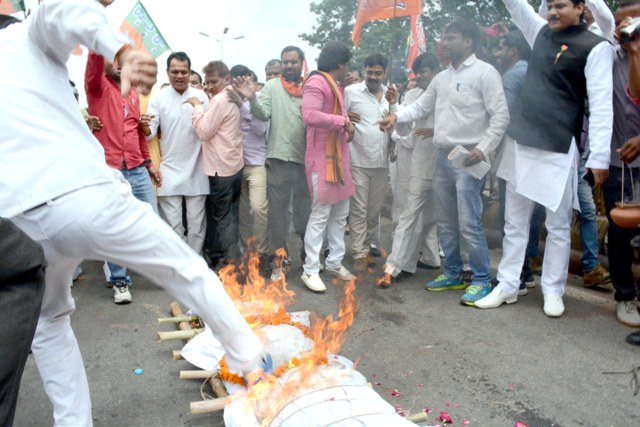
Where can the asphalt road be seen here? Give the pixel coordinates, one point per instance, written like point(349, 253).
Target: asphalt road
point(490, 368)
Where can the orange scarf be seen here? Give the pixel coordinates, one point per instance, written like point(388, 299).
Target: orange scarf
point(292, 88)
point(334, 172)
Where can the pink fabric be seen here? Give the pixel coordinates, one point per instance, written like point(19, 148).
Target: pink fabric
point(219, 129)
point(317, 107)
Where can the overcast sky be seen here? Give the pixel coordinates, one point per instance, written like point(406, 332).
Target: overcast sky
point(267, 27)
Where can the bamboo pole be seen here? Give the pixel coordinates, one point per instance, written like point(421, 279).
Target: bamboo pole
point(178, 335)
point(417, 418)
point(208, 406)
point(216, 385)
point(196, 375)
point(177, 355)
point(176, 311)
point(179, 319)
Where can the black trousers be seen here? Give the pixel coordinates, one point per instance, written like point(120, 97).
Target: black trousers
point(620, 251)
point(224, 216)
point(284, 180)
point(22, 265)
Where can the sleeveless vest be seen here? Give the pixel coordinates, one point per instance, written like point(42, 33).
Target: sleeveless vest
point(554, 93)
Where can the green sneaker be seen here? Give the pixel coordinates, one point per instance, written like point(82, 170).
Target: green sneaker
point(474, 293)
point(443, 283)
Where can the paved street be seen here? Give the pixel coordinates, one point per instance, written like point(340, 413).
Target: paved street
point(488, 367)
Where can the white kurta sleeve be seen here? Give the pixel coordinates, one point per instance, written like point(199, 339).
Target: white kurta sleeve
point(423, 106)
point(58, 26)
point(600, 92)
point(526, 18)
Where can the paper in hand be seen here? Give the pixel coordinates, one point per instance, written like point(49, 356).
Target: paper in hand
point(459, 154)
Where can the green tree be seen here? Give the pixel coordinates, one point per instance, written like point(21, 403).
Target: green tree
point(335, 20)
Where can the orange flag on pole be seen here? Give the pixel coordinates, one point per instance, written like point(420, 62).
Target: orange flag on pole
point(374, 10)
point(416, 43)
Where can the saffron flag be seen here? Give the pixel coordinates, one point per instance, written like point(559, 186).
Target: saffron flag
point(416, 43)
point(374, 10)
point(142, 31)
point(8, 7)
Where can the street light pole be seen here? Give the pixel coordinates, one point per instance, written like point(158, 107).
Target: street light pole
point(221, 40)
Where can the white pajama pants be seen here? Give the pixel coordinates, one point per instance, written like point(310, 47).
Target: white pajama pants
point(170, 208)
point(557, 250)
point(329, 218)
point(410, 236)
point(106, 222)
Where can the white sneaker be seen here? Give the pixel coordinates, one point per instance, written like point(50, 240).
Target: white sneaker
point(553, 305)
point(314, 282)
point(340, 272)
point(627, 313)
point(121, 294)
point(495, 299)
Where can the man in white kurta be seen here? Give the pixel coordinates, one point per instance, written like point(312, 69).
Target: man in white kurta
point(543, 175)
point(416, 227)
point(182, 167)
point(55, 185)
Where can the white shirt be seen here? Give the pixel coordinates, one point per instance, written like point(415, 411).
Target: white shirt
point(46, 148)
point(469, 104)
point(423, 159)
point(530, 169)
point(369, 145)
point(182, 164)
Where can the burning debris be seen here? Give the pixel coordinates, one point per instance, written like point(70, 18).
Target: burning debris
point(309, 383)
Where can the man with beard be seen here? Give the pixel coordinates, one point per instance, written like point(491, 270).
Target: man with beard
point(540, 157)
point(280, 102)
point(185, 183)
point(125, 147)
point(327, 163)
point(471, 111)
point(411, 236)
point(366, 103)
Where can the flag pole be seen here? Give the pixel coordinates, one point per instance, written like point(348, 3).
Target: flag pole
point(393, 41)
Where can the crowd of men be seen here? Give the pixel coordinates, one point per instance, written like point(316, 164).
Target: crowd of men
point(223, 165)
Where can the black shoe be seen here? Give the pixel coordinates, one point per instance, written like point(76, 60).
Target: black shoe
point(467, 276)
point(403, 275)
point(421, 264)
point(634, 338)
point(374, 251)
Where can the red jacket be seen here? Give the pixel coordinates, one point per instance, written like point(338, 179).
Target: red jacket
point(125, 146)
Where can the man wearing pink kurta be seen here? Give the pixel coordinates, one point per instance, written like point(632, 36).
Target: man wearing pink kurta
point(327, 164)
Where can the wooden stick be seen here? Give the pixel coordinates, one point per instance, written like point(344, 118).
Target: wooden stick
point(178, 319)
point(208, 406)
point(217, 386)
point(417, 418)
point(176, 311)
point(177, 355)
point(196, 375)
point(178, 335)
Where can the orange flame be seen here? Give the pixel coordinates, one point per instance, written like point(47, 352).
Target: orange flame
point(264, 302)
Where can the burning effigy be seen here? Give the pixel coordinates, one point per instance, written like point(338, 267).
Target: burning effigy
point(308, 384)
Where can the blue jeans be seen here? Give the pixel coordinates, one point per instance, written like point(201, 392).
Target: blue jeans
point(588, 222)
point(459, 216)
point(142, 189)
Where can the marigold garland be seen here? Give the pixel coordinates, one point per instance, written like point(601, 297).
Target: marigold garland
point(281, 317)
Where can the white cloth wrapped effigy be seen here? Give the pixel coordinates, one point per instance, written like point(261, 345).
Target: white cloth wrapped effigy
point(331, 394)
